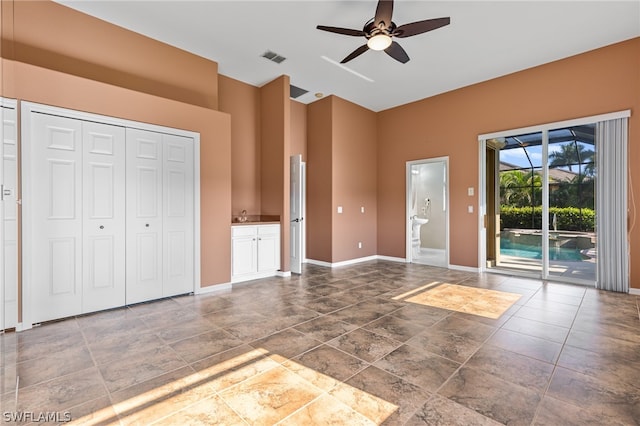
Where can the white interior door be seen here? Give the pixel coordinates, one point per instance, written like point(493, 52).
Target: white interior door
point(178, 219)
point(8, 222)
point(296, 216)
point(144, 215)
point(55, 258)
point(103, 216)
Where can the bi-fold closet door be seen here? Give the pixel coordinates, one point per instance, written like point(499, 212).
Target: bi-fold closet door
point(159, 215)
point(111, 215)
point(77, 216)
point(8, 215)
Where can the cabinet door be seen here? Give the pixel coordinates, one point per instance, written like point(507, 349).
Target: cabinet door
point(178, 223)
point(144, 215)
point(268, 252)
point(54, 203)
point(243, 255)
point(103, 216)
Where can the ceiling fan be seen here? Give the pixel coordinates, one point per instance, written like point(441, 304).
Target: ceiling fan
point(379, 30)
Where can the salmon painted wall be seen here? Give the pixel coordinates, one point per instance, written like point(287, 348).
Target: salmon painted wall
point(299, 129)
point(242, 102)
point(71, 60)
point(601, 81)
point(275, 136)
point(40, 85)
point(319, 180)
point(353, 181)
point(55, 37)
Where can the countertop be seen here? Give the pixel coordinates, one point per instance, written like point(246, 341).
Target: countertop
point(255, 223)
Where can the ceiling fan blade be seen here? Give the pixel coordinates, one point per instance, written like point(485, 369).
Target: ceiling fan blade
point(383, 13)
point(397, 52)
point(344, 31)
point(408, 30)
point(359, 51)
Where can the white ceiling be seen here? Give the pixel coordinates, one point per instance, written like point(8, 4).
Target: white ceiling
point(486, 39)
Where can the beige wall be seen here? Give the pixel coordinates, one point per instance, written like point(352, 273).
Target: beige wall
point(319, 180)
point(275, 136)
point(56, 56)
point(353, 181)
point(55, 37)
point(242, 102)
point(600, 81)
point(341, 172)
point(299, 129)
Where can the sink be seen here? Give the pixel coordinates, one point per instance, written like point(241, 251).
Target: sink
point(416, 223)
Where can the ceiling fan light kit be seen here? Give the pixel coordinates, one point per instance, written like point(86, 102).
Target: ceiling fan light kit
point(379, 42)
point(380, 30)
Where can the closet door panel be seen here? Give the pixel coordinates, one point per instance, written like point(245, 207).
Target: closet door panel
point(144, 215)
point(103, 216)
point(9, 224)
point(178, 235)
point(56, 206)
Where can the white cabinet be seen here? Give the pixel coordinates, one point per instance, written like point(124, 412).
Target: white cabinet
point(255, 251)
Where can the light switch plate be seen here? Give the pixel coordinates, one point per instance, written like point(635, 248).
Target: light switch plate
point(470, 191)
point(339, 209)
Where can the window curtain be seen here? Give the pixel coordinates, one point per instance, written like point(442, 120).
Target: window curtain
point(611, 205)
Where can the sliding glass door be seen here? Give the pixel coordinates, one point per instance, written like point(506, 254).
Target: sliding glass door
point(539, 192)
point(572, 208)
point(520, 203)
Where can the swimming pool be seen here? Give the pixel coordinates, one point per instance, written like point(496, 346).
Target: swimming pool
point(509, 248)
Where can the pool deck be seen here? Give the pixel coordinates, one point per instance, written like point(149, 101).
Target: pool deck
point(584, 270)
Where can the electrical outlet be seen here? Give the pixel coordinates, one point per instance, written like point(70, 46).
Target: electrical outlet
point(362, 209)
point(359, 244)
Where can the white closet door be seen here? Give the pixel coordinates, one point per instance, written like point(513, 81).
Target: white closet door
point(103, 216)
point(56, 204)
point(9, 174)
point(178, 226)
point(144, 215)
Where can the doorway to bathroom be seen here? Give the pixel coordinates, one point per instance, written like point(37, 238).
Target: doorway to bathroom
point(427, 211)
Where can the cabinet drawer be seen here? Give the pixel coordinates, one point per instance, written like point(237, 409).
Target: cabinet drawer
point(243, 231)
point(269, 230)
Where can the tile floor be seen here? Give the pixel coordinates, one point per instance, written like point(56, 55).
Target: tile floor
point(357, 345)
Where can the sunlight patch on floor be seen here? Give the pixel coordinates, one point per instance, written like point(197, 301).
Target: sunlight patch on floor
point(257, 387)
point(469, 300)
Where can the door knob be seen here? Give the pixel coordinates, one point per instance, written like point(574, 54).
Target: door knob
point(146, 224)
point(101, 226)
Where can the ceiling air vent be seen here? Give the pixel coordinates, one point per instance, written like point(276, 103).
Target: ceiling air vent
point(273, 57)
point(296, 92)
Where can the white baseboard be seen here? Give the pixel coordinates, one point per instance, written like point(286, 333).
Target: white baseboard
point(22, 326)
point(464, 268)
point(283, 274)
point(355, 261)
point(213, 288)
point(392, 259)
point(319, 263)
point(634, 291)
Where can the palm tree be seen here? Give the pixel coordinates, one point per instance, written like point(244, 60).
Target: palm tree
point(520, 189)
point(570, 154)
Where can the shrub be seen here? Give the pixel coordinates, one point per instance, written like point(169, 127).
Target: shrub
point(568, 218)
